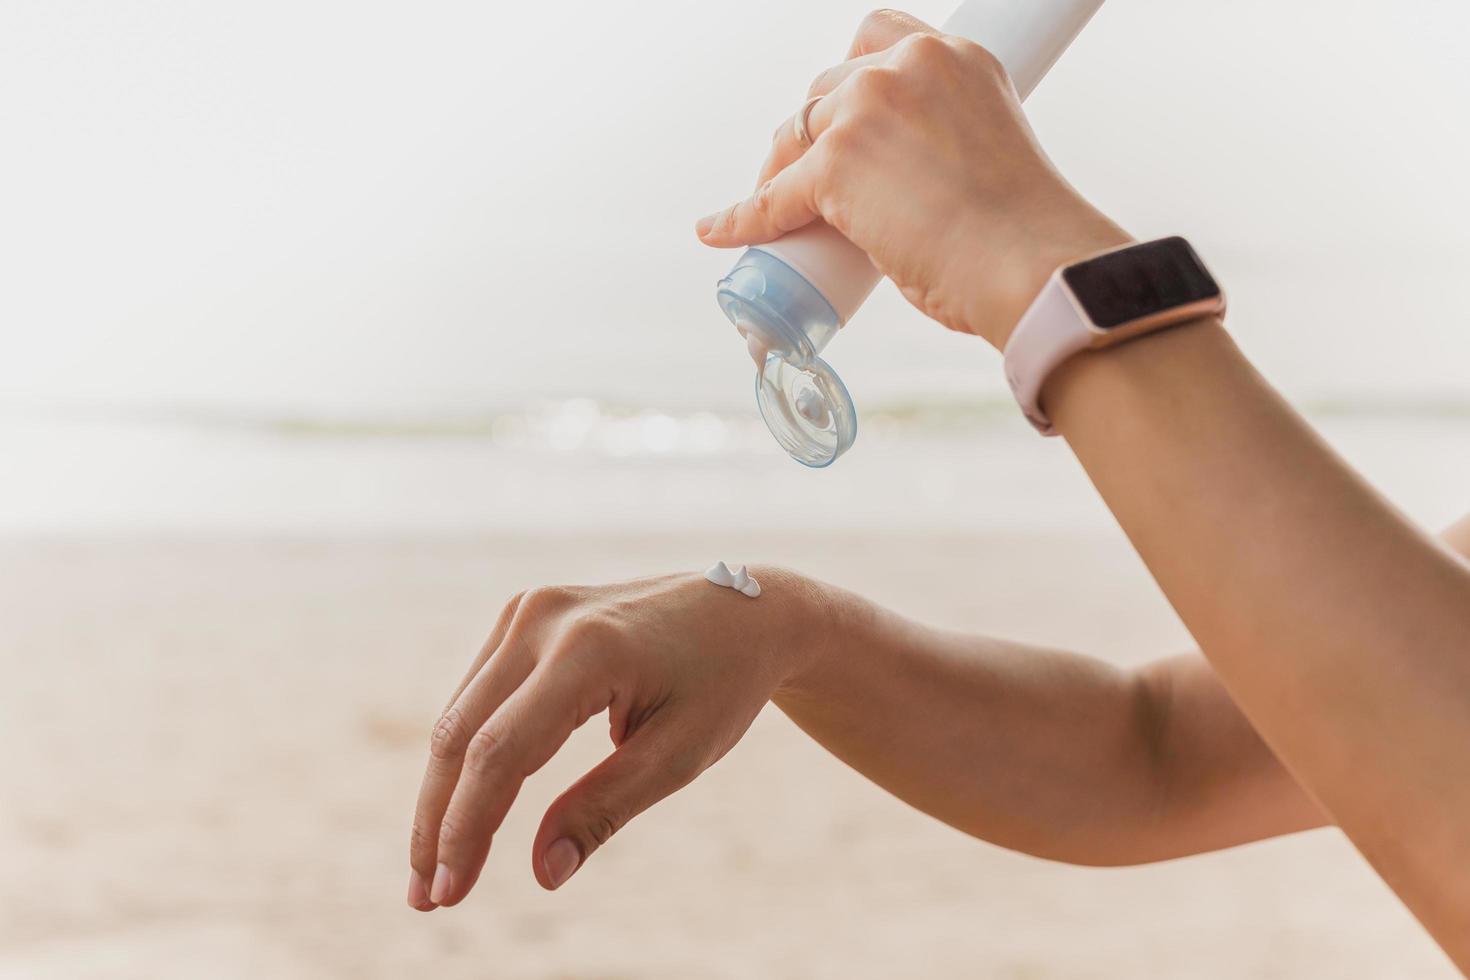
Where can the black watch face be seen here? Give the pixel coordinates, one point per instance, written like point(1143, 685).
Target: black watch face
point(1136, 282)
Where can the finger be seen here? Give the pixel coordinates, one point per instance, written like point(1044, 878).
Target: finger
point(523, 733)
point(651, 765)
point(497, 678)
point(784, 203)
point(497, 634)
point(882, 29)
point(785, 147)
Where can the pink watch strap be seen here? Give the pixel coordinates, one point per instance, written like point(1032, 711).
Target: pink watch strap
point(1051, 331)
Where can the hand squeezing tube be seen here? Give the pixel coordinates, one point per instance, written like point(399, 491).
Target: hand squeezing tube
point(788, 298)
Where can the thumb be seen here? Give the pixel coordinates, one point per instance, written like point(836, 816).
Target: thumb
point(649, 766)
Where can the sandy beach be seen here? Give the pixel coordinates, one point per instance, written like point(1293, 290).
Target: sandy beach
point(211, 748)
point(327, 327)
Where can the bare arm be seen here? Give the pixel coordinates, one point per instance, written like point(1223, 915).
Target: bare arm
point(1051, 753)
point(1341, 630)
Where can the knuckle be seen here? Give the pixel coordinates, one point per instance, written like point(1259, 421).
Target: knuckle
point(684, 765)
point(447, 740)
point(725, 221)
point(513, 603)
point(602, 824)
point(539, 601)
point(861, 79)
point(585, 647)
point(421, 845)
point(508, 610)
point(921, 47)
point(837, 143)
point(452, 834)
point(761, 203)
point(875, 84)
point(590, 632)
point(485, 752)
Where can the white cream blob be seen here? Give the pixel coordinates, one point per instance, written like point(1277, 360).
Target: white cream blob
point(811, 406)
point(737, 578)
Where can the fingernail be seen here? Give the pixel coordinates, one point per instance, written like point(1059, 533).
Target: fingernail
point(703, 225)
point(418, 892)
point(440, 889)
point(562, 859)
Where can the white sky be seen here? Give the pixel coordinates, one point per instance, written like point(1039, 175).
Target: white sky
point(373, 207)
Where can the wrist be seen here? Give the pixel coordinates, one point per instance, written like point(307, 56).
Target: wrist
point(1132, 373)
point(1024, 271)
point(815, 628)
point(795, 620)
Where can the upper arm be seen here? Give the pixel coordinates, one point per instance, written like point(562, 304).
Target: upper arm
point(1222, 783)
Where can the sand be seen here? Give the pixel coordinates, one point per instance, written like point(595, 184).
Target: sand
point(210, 750)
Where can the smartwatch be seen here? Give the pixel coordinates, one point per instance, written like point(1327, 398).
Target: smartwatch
point(1104, 300)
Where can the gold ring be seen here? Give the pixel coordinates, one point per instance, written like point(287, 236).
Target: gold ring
point(799, 122)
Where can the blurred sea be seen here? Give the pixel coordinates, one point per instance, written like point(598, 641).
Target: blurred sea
point(573, 466)
point(255, 281)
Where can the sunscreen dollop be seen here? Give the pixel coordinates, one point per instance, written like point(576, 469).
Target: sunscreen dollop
point(736, 578)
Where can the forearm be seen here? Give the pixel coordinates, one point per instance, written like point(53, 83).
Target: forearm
point(1030, 749)
point(1046, 752)
point(1340, 629)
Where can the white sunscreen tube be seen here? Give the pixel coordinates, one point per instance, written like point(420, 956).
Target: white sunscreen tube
point(789, 297)
point(1027, 36)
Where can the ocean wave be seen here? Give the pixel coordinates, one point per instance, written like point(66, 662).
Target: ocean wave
point(621, 429)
